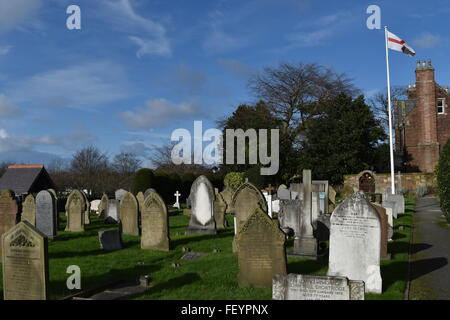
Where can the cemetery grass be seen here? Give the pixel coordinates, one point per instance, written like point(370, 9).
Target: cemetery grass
point(213, 276)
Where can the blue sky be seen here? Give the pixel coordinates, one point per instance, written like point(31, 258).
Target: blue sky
point(138, 69)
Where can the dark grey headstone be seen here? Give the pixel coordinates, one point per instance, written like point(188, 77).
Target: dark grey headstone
point(46, 214)
point(110, 240)
point(289, 216)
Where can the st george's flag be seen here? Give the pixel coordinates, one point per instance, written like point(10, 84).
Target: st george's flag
point(397, 44)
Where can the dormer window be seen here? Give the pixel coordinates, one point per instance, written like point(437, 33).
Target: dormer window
point(441, 106)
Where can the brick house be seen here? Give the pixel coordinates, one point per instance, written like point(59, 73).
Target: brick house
point(422, 123)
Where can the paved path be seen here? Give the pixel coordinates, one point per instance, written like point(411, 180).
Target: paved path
point(430, 253)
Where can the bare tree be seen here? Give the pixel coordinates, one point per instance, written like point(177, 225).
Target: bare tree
point(379, 103)
point(161, 158)
point(126, 163)
point(293, 90)
point(91, 169)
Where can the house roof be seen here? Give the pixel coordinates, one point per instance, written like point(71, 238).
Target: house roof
point(20, 178)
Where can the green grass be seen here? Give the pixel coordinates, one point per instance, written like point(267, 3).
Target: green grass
point(213, 276)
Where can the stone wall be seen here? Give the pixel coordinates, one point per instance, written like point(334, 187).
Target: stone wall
point(408, 183)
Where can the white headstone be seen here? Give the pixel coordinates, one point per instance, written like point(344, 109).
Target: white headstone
point(355, 242)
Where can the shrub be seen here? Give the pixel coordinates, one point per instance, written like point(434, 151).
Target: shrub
point(142, 180)
point(443, 179)
point(233, 180)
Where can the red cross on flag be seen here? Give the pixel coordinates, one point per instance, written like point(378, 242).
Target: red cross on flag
point(397, 44)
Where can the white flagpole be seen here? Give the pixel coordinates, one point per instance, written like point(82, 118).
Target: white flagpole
point(391, 147)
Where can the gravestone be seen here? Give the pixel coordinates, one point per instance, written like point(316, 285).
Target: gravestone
point(306, 244)
point(384, 231)
point(155, 223)
point(284, 194)
point(308, 287)
point(245, 201)
point(355, 242)
point(331, 199)
point(46, 221)
point(392, 205)
point(87, 211)
point(95, 204)
point(25, 263)
point(220, 208)
point(322, 187)
point(9, 212)
point(290, 216)
point(276, 206)
point(29, 210)
point(129, 214)
point(140, 199)
point(297, 189)
point(112, 211)
point(110, 240)
point(119, 194)
point(147, 192)
point(103, 206)
point(399, 202)
point(75, 209)
point(202, 202)
point(55, 205)
point(227, 195)
point(190, 256)
point(261, 250)
point(268, 198)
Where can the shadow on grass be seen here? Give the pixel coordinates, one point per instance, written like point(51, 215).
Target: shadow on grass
point(306, 266)
point(175, 283)
point(403, 247)
point(396, 271)
point(223, 233)
point(58, 289)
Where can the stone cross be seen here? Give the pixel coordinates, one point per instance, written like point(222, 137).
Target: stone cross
point(269, 199)
point(177, 202)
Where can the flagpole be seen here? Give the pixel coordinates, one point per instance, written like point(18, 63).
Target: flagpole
point(391, 147)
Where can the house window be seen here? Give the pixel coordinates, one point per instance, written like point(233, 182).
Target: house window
point(440, 106)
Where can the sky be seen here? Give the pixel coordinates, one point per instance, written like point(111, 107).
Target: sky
point(139, 69)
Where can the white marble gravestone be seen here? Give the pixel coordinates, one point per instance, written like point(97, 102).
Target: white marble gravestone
point(355, 242)
point(202, 202)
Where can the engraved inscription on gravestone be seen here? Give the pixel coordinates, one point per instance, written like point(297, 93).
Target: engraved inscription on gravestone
point(309, 287)
point(155, 223)
point(261, 250)
point(355, 242)
point(25, 263)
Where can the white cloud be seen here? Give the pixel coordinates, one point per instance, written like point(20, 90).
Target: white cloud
point(84, 86)
point(4, 50)
point(15, 143)
point(149, 46)
point(427, 40)
point(7, 108)
point(152, 38)
point(317, 31)
point(17, 14)
point(159, 112)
